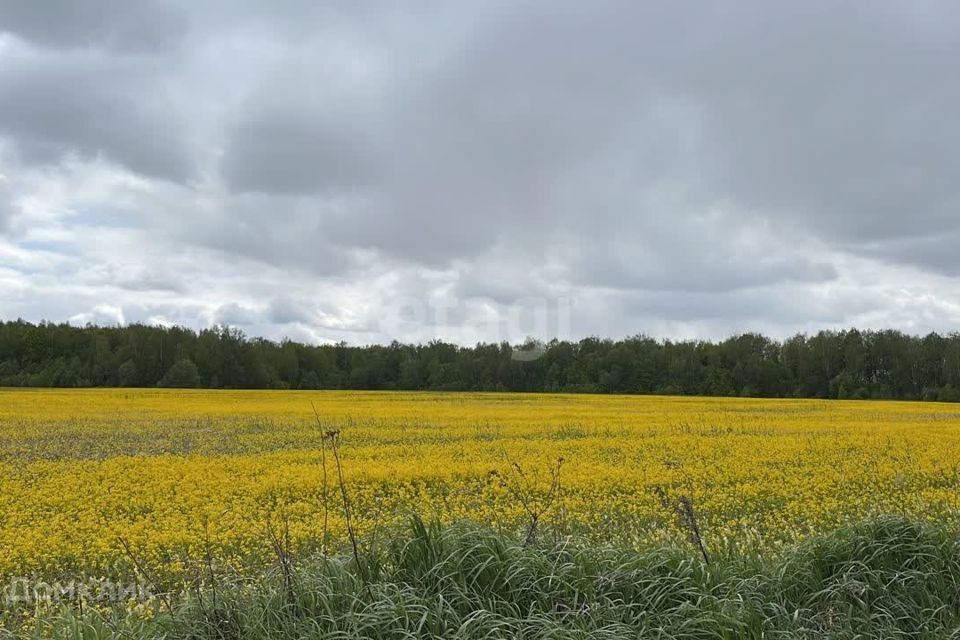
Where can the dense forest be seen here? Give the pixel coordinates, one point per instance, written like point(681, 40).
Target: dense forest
point(844, 364)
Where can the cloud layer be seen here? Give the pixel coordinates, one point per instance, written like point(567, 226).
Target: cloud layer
point(490, 170)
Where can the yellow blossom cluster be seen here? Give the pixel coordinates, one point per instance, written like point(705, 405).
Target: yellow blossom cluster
point(172, 473)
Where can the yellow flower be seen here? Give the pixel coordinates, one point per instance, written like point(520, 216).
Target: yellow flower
point(171, 472)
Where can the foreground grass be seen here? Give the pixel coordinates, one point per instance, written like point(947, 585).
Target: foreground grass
point(887, 577)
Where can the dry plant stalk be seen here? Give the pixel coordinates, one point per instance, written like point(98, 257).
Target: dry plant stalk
point(519, 488)
point(686, 517)
point(283, 549)
point(143, 571)
point(323, 464)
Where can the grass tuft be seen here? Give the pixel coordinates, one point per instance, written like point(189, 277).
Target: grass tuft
point(887, 577)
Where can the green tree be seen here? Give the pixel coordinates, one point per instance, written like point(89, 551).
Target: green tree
point(182, 375)
point(127, 374)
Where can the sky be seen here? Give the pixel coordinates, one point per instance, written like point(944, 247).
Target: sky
point(481, 170)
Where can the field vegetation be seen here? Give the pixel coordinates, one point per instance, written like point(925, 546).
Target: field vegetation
point(885, 578)
point(174, 471)
point(531, 502)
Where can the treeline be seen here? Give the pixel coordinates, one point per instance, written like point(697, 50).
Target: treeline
point(844, 364)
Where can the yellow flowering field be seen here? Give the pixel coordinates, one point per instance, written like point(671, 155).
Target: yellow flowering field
point(173, 473)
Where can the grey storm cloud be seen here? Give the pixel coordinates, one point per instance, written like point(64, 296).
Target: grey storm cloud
point(116, 24)
point(832, 118)
point(91, 105)
point(6, 204)
point(937, 251)
point(290, 153)
point(285, 310)
point(668, 152)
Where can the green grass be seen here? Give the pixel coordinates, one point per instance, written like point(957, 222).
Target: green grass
point(885, 578)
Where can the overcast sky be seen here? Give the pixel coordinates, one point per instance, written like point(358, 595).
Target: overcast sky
point(488, 170)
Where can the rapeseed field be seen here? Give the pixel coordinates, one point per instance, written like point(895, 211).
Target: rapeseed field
point(175, 474)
